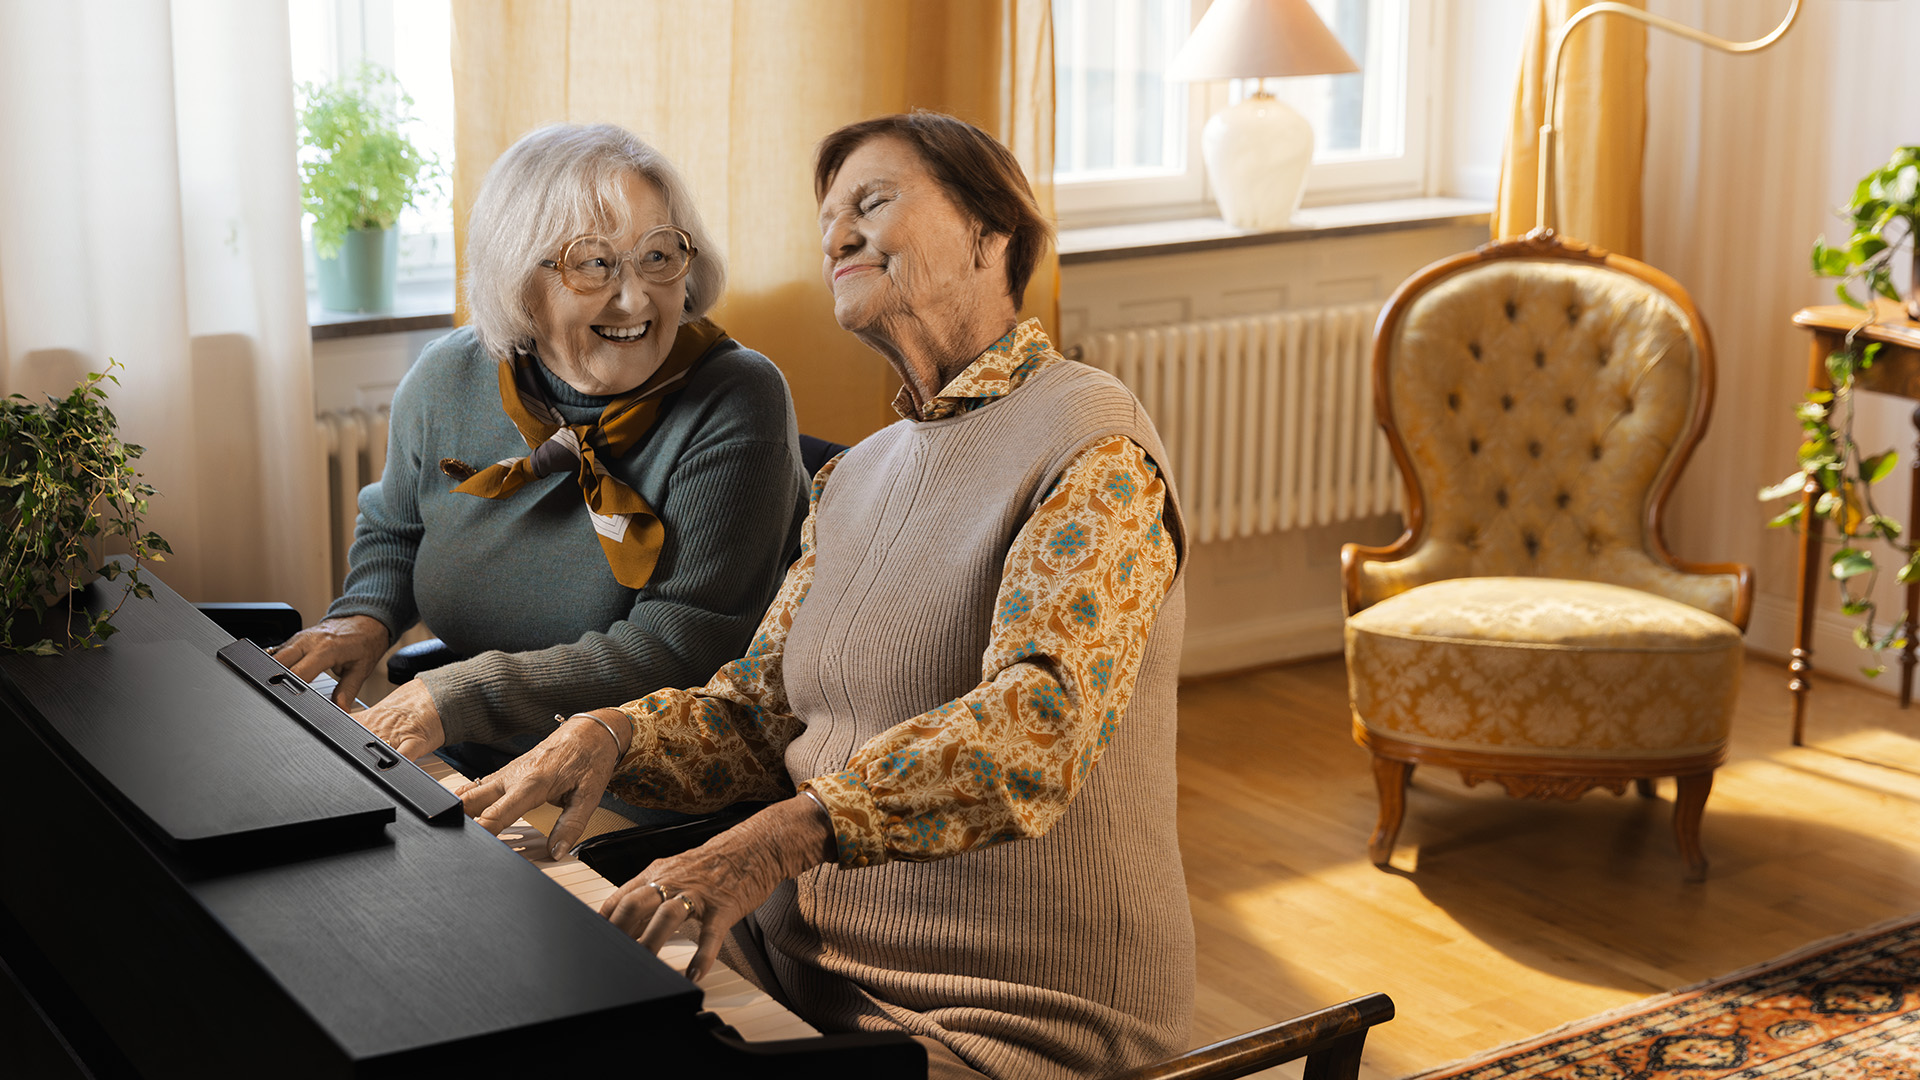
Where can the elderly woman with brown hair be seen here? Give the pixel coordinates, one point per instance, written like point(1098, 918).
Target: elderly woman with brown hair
point(963, 696)
point(592, 491)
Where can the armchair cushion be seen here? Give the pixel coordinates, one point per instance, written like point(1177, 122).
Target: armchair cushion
point(1529, 664)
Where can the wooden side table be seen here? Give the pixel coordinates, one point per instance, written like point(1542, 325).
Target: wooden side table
point(1896, 371)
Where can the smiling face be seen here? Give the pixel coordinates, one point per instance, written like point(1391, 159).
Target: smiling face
point(899, 255)
point(610, 341)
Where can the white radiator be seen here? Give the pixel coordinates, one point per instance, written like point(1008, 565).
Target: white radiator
point(1268, 418)
point(355, 441)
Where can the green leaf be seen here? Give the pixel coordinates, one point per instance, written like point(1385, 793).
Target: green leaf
point(1821, 396)
point(1789, 516)
point(1846, 297)
point(1851, 563)
point(1883, 284)
point(1879, 466)
point(1865, 245)
point(1828, 261)
point(1855, 605)
point(1792, 485)
point(1873, 672)
point(1909, 573)
point(1904, 186)
point(1862, 638)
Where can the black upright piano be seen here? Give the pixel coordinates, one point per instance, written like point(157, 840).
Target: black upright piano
point(210, 878)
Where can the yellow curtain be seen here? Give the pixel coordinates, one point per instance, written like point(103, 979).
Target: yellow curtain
point(1602, 124)
point(737, 94)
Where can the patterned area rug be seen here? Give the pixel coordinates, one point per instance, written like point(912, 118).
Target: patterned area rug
point(1843, 1009)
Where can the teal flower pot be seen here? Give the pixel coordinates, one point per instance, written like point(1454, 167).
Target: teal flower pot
point(360, 276)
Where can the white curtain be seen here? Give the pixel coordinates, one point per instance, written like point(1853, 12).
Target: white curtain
point(149, 212)
point(1746, 158)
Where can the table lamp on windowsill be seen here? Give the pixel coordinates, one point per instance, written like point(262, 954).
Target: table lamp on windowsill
point(1258, 151)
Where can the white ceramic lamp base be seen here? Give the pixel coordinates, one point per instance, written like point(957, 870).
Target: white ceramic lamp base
point(1257, 154)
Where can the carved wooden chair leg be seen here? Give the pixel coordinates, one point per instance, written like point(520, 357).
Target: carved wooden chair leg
point(1390, 777)
point(1689, 803)
point(1644, 786)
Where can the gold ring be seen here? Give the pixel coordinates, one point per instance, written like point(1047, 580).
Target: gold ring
point(683, 899)
point(656, 887)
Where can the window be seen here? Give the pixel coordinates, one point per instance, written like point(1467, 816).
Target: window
point(1127, 141)
point(413, 40)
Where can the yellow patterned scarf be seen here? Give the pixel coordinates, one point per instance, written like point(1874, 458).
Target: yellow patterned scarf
point(630, 532)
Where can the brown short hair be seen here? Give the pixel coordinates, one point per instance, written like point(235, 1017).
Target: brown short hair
point(978, 172)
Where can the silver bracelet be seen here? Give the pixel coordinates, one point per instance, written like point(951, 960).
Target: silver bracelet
point(808, 792)
point(618, 750)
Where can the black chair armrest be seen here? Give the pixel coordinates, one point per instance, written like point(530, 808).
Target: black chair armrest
point(410, 660)
point(815, 453)
point(264, 624)
point(617, 856)
point(1330, 1040)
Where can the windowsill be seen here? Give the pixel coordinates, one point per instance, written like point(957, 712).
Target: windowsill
point(1190, 235)
point(417, 305)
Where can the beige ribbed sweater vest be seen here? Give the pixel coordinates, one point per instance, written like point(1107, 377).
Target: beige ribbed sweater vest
point(1068, 955)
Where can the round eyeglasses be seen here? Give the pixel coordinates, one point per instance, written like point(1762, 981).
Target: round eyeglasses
point(590, 263)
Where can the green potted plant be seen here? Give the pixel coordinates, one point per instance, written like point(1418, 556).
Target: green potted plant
point(68, 489)
point(357, 173)
point(1885, 214)
point(1885, 217)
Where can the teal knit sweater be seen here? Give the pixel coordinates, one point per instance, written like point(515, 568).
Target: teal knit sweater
point(521, 585)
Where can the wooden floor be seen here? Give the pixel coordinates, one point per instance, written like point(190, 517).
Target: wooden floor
point(1501, 918)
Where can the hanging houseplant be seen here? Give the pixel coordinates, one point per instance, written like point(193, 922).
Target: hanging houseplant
point(68, 488)
point(1885, 215)
point(357, 173)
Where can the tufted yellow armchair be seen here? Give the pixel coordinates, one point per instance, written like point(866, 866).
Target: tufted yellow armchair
point(1531, 627)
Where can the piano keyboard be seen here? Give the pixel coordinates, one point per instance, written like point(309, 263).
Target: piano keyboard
point(739, 1004)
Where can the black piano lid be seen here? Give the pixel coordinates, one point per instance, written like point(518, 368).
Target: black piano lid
point(213, 768)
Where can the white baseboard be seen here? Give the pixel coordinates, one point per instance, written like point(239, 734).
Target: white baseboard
point(1835, 656)
point(1265, 640)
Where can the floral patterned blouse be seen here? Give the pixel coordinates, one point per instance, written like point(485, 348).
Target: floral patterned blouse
point(1081, 585)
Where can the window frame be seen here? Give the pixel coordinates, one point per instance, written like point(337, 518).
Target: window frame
point(1345, 179)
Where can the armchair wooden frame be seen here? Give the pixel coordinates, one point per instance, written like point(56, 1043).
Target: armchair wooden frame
point(1529, 775)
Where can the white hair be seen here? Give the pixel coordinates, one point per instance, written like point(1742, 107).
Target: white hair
point(558, 182)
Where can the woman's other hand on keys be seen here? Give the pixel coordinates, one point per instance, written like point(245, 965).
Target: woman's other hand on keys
point(570, 769)
point(722, 880)
point(406, 720)
point(349, 646)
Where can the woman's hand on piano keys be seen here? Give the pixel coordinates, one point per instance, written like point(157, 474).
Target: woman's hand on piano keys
point(569, 768)
point(722, 880)
point(349, 646)
point(406, 720)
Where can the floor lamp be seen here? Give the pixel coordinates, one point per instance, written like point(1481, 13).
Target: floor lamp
point(1545, 208)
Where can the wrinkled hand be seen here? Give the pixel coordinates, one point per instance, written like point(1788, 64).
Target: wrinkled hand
point(723, 879)
point(407, 720)
point(570, 768)
point(349, 646)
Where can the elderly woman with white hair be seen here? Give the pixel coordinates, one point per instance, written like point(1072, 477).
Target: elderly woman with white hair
point(592, 491)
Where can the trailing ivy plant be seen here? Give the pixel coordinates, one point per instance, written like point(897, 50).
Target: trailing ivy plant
point(1885, 215)
point(68, 489)
point(357, 170)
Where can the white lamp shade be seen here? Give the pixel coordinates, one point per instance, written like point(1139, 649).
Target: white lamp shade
point(1258, 39)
